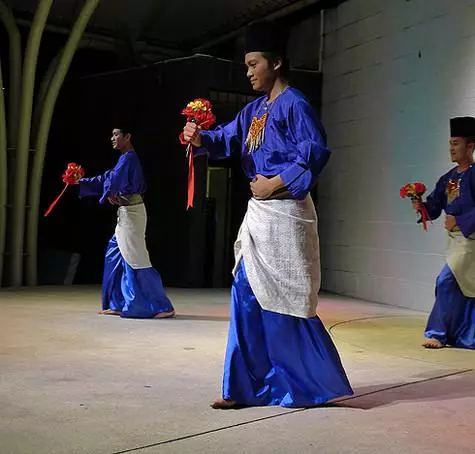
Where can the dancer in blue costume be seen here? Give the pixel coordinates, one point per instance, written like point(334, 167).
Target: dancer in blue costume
point(452, 320)
point(131, 287)
point(278, 351)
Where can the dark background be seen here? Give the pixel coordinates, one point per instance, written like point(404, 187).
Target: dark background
point(187, 247)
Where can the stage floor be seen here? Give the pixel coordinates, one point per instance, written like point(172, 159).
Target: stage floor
point(73, 382)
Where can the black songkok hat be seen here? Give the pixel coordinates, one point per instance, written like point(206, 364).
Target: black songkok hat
point(462, 127)
point(265, 37)
point(123, 122)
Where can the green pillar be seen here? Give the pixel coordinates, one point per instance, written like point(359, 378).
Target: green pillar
point(3, 173)
point(14, 38)
point(42, 138)
point(8, 130)
point(24, 126)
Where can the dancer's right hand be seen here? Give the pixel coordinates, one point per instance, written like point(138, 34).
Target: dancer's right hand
point(113, 200)
point(191, 133)
point(417, 204)
point(70, 179)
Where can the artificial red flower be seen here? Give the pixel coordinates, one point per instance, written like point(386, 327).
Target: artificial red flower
point(199, 111)
point(415, 191)
point(73, 173)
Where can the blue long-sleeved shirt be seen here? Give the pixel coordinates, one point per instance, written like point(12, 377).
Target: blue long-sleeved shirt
point(461, 203)
point(125, 179)
point(294, 146)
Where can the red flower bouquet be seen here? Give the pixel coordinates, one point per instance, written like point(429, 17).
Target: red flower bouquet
point(415, 191)
point(71, 176)
point(200, 112)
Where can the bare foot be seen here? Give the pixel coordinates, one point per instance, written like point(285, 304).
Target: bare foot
point(223, 404)
point(165, 315)
point(433, 343)
point(109, 312)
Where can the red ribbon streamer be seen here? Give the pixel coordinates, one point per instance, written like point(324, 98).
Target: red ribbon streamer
point(191, 168)
point(50, 209)
point(198, 112)
point(191, 172)
point(72, 175)
point(191, 178)
point(424, 217)
point(415, 192)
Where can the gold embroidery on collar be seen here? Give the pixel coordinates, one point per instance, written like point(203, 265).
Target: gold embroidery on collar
point(255, 136)
point(453, 190)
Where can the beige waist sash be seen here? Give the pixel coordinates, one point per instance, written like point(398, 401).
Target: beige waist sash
point(130, 234)
point(461, 261)
point(134, 199)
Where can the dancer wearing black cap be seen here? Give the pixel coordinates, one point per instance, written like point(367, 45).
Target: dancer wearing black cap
point(278, 351)
point(452, 320)
point(131, 287)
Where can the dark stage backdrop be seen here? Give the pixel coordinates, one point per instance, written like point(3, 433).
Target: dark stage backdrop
point(189, 248)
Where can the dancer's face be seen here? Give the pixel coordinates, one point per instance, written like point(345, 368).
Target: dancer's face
point(261, 72)
point(460, 149)
point(120, 141)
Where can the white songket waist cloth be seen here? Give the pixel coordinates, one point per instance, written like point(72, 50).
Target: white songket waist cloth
point(131, 287)
point(130, 234)
point(279, 243)
point(461, 261)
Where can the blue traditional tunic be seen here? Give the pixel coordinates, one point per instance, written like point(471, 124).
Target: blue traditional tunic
point(130, 284)
point(452, 320)
point(262, 366)
point(294, 145)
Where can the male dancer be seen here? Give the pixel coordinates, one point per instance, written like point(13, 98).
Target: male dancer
point(452, 320)
point(278, 352)
point(131, 287)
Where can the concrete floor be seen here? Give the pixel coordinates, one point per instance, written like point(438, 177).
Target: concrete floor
point(73, 382)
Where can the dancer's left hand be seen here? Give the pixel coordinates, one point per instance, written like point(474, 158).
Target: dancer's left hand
point(450, 223)
point(262, 188)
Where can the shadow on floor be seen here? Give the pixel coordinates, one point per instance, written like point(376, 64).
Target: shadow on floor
point(443, 386)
